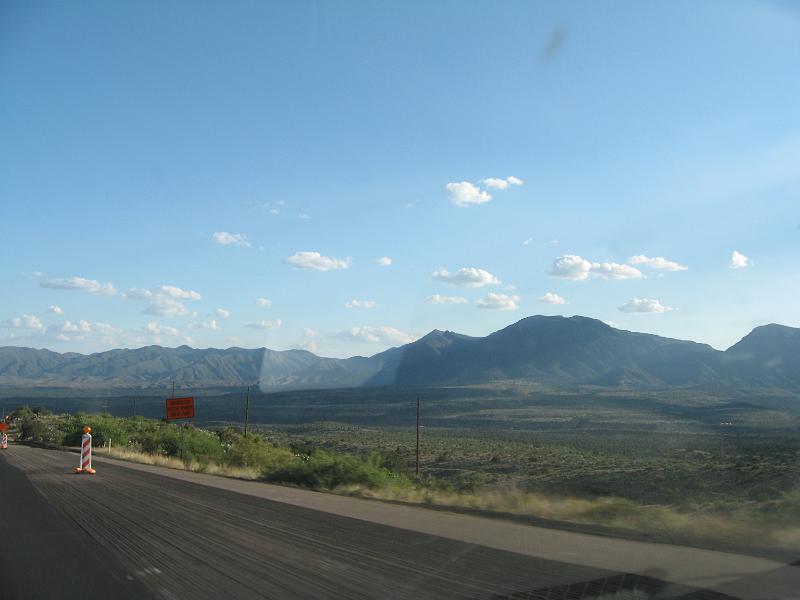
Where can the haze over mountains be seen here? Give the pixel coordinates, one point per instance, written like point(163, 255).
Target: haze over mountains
point(556, 351)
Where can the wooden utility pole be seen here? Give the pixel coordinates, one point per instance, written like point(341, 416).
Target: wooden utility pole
point(134, 407)
point(246, 410)
point(417, 470)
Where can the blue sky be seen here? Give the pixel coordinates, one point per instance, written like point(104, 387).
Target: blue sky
point(163, 166)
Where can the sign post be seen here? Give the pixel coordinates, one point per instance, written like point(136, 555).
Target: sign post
point(180, 408)
point(3, 435)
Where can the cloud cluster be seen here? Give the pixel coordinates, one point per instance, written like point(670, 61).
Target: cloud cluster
point(360, 304)
point(265, 324)
point(79, 327)
point(222, 313)
point(56, 310)
point(494, 301)
point(375, 335)
point(165, 300)
point(552, 298)
point(264, 302)
point(470, 277)
point(498, 183)
point(29, 322)
point(644, 306)
point(81, 331)
point(156, 329)
point(466, 193)
point(209, 324)
point(659, 263)
point(225, 238)
point(576, 268)
point(90, 286)
point(317, 262)
point(384, 261)
point(308, 341)
point(438, 299)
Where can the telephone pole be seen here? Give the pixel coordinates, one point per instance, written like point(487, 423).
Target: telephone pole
point(134, 407)
point(417, 470)
point(246, 410)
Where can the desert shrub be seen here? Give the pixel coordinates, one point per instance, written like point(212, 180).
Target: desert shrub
point(256, 452)
point(325, 470)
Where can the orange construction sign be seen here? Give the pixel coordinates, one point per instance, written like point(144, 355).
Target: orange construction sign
point(180, 408)
point(3, 426)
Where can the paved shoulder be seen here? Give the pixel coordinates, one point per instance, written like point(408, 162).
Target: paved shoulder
point(44, 554)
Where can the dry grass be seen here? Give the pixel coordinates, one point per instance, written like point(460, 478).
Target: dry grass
point(618, 513)
point(170, 462)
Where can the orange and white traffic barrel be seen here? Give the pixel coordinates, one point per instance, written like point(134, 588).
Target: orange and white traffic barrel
point(3, 441)
point(85, 464)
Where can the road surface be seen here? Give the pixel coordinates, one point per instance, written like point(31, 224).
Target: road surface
point(136, 531)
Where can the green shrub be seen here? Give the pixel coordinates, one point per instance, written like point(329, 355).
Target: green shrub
point(325, 470)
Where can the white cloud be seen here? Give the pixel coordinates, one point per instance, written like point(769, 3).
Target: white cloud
point(360, 304)
point(317, 262)
point(264, 302)
point(222, 313)
point(437, 299)
point(495, 183)
point(471, 277)
point(56, 310)
point(375, 335)
point(79, 327)
point(167, 307)
point(265, 325)
point(210, 324)
point(176, 292)
point(499, 183)
point(225, 238)
point(659, 262)
point(576, 268)
point(308, 341)
point(79, 283)
point(644, 305)
point(384, 261)
point(611, 270)
point(303, 216)
point(154, 328)
point(466, 193)
point(164, 301)
point(738, 260)
point(552, 298)
point(25, 322)
point(494, 301)
point(526, 242)
point(105, 329)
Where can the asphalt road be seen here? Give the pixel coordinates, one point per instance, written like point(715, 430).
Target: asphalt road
point(142, 532)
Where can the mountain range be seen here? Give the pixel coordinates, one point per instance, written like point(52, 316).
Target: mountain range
point(553, 351)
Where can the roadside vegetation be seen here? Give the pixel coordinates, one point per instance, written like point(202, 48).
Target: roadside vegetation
point(682, 490)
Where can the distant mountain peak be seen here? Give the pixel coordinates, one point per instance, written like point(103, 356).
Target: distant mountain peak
point(551, 350)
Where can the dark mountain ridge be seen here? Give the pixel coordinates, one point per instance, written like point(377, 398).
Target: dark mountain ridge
point(556, 351)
